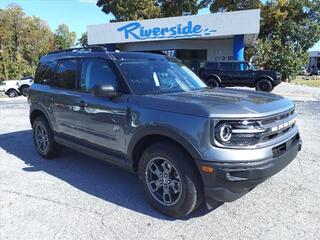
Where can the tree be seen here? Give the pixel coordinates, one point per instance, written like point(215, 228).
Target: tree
point(83, 40)
point(124, 10)
point(171, 8)
point(272, 54)
point(288, 30)
point(22, 40)
point(63, 38)
point(233, 5)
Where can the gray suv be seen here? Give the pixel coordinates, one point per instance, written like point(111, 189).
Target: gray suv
point(151, 115)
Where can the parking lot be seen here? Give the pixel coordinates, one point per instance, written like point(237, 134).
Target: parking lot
point(77, 197)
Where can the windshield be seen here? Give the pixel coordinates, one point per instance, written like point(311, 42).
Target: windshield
point(159, 76)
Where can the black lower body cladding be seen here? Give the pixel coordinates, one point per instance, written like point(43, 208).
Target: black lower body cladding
point(230, 181)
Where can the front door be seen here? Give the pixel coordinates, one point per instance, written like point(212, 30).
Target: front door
point(103, 120)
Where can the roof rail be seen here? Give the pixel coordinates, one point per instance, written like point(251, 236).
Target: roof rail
point(93, 48)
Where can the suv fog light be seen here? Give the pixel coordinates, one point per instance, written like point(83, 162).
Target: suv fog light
point(224, 132)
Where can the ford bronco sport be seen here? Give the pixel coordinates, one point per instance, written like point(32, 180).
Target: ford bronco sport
point(150, 114)
point(239, 73)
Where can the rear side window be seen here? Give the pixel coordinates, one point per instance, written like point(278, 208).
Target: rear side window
point(226, 66)
point(96, 72)
point(44, 73)
point(66, 74)
point(241, 66)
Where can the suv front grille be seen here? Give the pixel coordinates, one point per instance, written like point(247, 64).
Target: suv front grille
point(277, 125)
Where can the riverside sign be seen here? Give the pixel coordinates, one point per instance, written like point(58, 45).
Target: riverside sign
point(172, 28)
point(138, 31)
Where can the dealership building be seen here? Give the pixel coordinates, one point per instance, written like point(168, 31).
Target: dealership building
point(194, 39)
point(314, 60)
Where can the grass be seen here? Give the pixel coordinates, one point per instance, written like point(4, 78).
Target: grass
point(310, 83)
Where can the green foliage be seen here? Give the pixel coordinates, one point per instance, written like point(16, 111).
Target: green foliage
point(124, 10)
point(288, 30)
point(232, 5)
point(171, 8)
point(24, 39)
point(272, 54)
point(83, 40)
point(145, 9)
point(63, 38)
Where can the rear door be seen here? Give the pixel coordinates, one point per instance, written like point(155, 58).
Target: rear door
point(65, 98)
point(244, 75)
point(227, 73)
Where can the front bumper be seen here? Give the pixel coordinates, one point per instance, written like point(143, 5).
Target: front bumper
point(230, 181)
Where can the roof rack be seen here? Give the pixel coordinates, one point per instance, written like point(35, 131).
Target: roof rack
point(93, 48)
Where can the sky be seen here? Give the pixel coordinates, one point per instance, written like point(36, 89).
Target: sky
point(77, 14)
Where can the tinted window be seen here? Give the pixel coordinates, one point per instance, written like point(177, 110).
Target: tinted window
point(45, 72)
point(226, 66)
point(241, 66)
point(66, 74)
point(96, 72)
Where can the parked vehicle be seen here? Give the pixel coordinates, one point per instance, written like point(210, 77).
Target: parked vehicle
point(239, 73)
point(314, 71)
point(24, 85)
point(10, 88)
point(150, 114)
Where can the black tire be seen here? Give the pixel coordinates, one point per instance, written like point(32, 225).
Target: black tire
point(12, 93)
point(213, 83)
point(41, 131)
point(24, 90)
point(264, 85)
point(183, 175)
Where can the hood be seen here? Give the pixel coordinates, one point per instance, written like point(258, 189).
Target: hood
point(227, 103)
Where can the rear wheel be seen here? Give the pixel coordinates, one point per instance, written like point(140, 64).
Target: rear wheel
point(264, 85)
point(12, 93)
point(213, 83)
point(43, 138)
point(171, 182)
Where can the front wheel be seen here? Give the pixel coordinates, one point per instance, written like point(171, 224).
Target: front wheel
point(264, 85)
point(170, 180)
point(213, 83)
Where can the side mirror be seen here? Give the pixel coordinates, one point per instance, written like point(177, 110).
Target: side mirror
point(106, 90)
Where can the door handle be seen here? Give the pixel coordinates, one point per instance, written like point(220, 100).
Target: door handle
point(82, 104)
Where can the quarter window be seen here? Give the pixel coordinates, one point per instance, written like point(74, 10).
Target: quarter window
point(45, 72)
point(96, 72)
point(66, 74)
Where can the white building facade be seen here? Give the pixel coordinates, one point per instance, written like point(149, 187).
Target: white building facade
point(194, 39)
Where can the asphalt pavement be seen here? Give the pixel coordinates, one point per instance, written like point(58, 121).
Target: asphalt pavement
point(78, 197)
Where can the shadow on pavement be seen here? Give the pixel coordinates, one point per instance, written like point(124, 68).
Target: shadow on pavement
point(87, 174)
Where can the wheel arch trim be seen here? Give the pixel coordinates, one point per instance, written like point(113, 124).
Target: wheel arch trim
point(264, 77)
point(213, 76)
point(161, 132)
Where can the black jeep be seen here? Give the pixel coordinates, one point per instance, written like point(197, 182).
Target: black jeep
point(239, 73)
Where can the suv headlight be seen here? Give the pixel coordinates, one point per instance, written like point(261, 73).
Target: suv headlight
point(236, 134)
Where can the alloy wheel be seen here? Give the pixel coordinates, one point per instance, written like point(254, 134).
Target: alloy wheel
point(42, 139)
point(163, 181)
